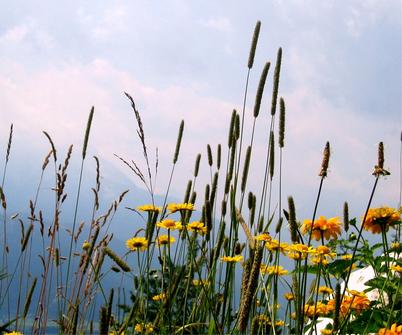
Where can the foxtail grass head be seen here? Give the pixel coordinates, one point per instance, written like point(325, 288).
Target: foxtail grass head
point(87, 131)
point(254, 44)
point(379, 168)
point(346, 216)
point(281, 122)
point(10, 138)
point(325, 161)
point(209, 152)
point(294, 229)
point(277, 74)
point(178, 142)
point(260, 89)
point(197, 165)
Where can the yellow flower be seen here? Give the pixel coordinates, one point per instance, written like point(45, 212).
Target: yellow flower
point(298, 251)
point(319, 260)
point(149, 208)
point(396, 268)
point(321, 254)
point(274, 245)
point(326, 331)
point(197, 227)
point(355, 293)
point(380, 219)
point(278, 323)
point(86, 245)
point(137, 243)
point(347, 257)
point(159, 297)
point(265, 237)
point(273, 270)
point(165, 239)
point(180, 207)
point(394, 330)
point(170, 224)
point(395, 246)
point(13, 333)
point(325, 290)
point(232, 259)
point(322, 228)
point(142, 328)
point(318, 309)
point(200, 282)
point(262, 318)
point(289, 296)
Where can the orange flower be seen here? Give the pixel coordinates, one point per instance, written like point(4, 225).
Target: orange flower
point(380, 219)
point(355, 303)
point(322, 227)
point(395, 330)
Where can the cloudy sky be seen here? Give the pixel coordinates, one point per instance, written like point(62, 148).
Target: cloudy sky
point(341, 80)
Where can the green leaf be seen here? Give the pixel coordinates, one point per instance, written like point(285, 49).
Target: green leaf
point(339, 267)
point(372, 319)
point(382, 283)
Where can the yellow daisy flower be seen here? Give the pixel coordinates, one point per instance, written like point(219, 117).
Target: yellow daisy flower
point(197, 227)
point(325, 290)
point(200, 282)
point(149, 208)
point(289, 296)
point(265, 237)
point(159, 297)
point(142, 328)
point(298, 251)
point(170, 224)
point(165, 240)
point(273, 270)
point(137, 243)
point(180, 207)
point(232, 259)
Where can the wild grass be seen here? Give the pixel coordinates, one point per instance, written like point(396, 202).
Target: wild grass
point(212, 264)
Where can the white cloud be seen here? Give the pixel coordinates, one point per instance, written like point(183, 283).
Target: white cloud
point(218, 23)
point(15, 34)
point(59, 100)
point(26, 35)
point(107, 23)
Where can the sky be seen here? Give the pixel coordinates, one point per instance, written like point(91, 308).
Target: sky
point(341, 80)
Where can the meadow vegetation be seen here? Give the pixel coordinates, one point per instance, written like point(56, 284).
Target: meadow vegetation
point(184, 262)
